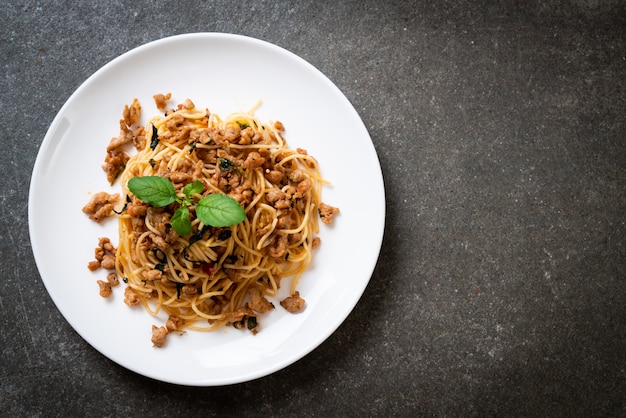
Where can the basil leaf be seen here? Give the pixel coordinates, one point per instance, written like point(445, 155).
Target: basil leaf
point(154, 190)
point(181, 222)
point(193, 188)
point(155, 138)
point(219, 210)
point(226, 164)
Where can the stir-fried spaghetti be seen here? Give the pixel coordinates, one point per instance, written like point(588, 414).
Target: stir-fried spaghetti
point(214, 275)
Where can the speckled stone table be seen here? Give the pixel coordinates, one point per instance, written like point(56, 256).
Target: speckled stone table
point(501, 285)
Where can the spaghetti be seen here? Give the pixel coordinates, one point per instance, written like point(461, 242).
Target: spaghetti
point(214, 276)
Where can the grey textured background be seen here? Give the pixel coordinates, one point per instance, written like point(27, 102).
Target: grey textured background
point(501, 285)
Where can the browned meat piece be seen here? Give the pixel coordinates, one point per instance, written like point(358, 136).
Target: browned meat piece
point(303, 187)
point(293, 238)
point(293, 303)
point(159, 242)
point(159, 219)
point(108, 262)
point(161, 100)
point(174, 323)
point(180, 177)
point(275, 195)
point(130, 297)
point(213, 306)
point(279, 246)
point(298, 175)
point(173, 123)
point(250, 136)
point(105, 244)
point(113, 279)
point(327, 212)
point(239, 314)
point(139, 138)
point(278, 199)
point(189, 291)
point(284, 221)
point(158, 336)
point(93, 265)
point(104, 255)
point(232, 133)
point(132, 113)
point(275, 177)
point(114, 163)
point(105, 288)
point(187, 104)
point(137, 208)
point(258, 302)
point(254, 160)
point(100, 205)
point(152, 275)
point(128, 133)
point(125, 137)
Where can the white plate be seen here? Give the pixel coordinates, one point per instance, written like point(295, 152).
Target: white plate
point(225, 73)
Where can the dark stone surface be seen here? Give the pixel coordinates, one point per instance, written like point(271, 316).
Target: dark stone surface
point(501, 285)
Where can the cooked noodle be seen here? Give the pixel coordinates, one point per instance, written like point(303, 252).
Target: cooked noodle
point(218, 275)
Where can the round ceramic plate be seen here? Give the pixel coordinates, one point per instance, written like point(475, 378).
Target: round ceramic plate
point(225, 73)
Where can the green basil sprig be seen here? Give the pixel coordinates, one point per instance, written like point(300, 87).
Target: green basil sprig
point(154, 190)
point(215, 209)
point(218, 210)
